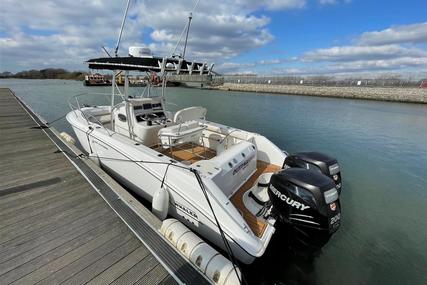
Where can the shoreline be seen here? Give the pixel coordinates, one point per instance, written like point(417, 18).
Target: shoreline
point(388, 94)
point(19, 78)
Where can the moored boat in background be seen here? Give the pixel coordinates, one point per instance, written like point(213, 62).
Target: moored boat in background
point(96, 79)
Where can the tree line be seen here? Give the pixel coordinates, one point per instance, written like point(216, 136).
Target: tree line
point(48, 73)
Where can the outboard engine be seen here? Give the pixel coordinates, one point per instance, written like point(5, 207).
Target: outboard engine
point(316, 161)
point(308, 202)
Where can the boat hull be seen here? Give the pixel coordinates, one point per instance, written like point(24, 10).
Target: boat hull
point(187, 203)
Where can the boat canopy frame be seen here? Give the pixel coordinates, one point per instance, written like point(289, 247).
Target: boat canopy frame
point(162, 65)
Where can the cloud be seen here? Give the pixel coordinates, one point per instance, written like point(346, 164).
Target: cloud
point(235, 65)
point(328, 2)
point(354, 53)
point(213, 35)
point(64, 33)
point(398, 64)
point(251, 67)
point(392, 49)
point(415, 33)
point(270, 61)
point(333, 2)
point(285, 4)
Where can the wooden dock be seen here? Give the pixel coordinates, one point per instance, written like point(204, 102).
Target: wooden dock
point(60, 223)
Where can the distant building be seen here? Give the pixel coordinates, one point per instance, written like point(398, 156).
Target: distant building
point(423, 84)
point(96, 80)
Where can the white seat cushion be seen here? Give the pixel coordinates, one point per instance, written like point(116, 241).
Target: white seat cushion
point(190, 114)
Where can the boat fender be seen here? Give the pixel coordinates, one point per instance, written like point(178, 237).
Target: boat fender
point(160, 203)
point(187, 243)
point(174, 232)
point(201, 255)
point(66, 137)
point(214, 265)
point(166, 224)
point(221, 271)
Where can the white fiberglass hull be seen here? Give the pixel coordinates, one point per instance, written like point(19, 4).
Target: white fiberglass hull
point(142, 169)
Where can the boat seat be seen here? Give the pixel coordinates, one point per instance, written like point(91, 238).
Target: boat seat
point(255, 198)
point(187, 132)
point(190, 114)
point(98, 114)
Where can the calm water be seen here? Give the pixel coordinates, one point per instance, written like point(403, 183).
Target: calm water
point(382, 148)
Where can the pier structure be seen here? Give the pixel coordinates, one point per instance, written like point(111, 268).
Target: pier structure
point(192, 78)
point(390, 94)
point(65, 221)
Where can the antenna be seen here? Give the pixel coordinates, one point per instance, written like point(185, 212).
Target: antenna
point(186, 29)
point(121, 29)
point(105, 50)
point(190, 17)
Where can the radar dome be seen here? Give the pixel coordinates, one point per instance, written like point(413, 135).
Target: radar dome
point(140, 52)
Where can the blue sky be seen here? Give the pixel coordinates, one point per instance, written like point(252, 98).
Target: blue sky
point(289, 37)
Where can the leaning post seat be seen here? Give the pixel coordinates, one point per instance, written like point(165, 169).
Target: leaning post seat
point(187, 132)
point(190, 114)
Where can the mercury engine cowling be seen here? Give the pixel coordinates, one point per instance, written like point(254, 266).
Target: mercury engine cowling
point(307, 202)
point(316, 161)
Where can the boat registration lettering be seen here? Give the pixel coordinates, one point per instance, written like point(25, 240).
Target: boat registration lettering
point(187, 213)
point(242, 166)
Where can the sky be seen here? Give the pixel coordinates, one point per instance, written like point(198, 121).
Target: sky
point(275, 37)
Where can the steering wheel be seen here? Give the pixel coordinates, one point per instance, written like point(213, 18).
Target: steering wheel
point(152, 116)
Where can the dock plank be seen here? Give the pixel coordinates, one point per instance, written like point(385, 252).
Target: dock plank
point(103, 263)
point(91, 256)
point(34, 259)
point(53, 187)
point(136, 272)
point(108, 276)
point(52, 201)
point(32, 224)
point(9, 264)
point(23, 246)
point(50, 210)
point(154, 276)
point(53, 266)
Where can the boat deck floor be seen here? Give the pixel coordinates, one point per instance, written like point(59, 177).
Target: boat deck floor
point(189, 153)
point(257, 225)
point(54, 228)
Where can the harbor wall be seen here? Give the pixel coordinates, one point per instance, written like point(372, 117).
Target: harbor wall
point(393, 94)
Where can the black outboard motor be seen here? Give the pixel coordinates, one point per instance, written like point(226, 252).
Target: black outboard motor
point(308, 202)
point(316, 161)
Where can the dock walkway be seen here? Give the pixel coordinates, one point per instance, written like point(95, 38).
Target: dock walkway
point(57, 228)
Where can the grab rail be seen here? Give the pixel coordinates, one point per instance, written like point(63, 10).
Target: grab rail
point(85, 115)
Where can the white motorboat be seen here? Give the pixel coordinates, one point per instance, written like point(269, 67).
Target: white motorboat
point(232, 187)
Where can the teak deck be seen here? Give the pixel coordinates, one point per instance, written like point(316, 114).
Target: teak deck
point(257, 226)
point(190, 153)
point(54, 227)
